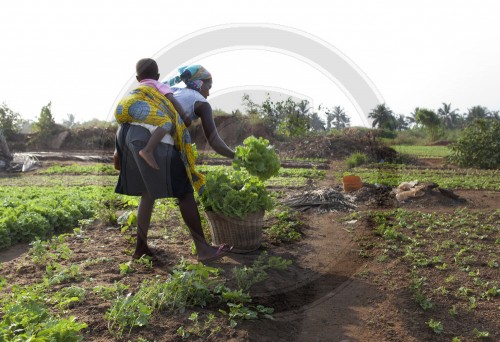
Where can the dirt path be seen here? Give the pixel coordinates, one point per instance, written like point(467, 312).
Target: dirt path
point(327, 304)
point(13, 252)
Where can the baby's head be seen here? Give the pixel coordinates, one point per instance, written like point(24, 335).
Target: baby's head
point(147, 68)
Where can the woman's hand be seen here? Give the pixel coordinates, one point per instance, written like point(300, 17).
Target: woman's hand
point(116, 160)
point(187, 120)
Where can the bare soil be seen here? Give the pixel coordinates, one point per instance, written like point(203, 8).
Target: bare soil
point(330, 293)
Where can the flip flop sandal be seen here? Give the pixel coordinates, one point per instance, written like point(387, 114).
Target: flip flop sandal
point(221, 251)
point(149, 254)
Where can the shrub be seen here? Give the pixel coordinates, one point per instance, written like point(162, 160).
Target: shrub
point(10, 121)
point(478, 146)
point(385, 133)
point(356, 159)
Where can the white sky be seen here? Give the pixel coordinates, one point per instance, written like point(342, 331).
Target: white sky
point(79, 55)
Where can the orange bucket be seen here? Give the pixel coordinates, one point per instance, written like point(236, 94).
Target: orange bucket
point(351, 183)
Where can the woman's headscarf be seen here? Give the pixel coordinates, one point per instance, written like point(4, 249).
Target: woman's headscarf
point(192, 76)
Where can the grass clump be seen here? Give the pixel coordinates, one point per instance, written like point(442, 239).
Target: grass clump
point(356, 159)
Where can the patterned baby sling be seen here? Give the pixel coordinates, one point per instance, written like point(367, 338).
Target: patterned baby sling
point(147, 105)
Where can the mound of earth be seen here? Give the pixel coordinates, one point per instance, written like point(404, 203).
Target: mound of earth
point(232, 129)
point(91, 139)
point(336, 147)
point(94, 138)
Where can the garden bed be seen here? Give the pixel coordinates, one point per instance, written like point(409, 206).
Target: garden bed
point(425, 269)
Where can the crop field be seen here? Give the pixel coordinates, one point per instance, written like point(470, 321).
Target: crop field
point(466, 179)
point(427, 269)
point(423, 151)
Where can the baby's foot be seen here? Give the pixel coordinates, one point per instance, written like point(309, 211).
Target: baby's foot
point(149, 158)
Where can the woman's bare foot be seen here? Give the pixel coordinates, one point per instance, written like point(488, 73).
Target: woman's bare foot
point(210, 253)
point(145, 252)
point(149, 158)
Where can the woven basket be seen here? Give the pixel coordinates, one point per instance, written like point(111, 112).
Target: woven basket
point(244, 235)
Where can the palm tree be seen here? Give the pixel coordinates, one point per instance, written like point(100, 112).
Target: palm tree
point(448, 116)
point(301, 111)
point(317, 124)
point(412, 118)
point(339, 118)
point(495, 115)
point(303, 108)
point(402, 122)
point(383, 117)
point(477, 112)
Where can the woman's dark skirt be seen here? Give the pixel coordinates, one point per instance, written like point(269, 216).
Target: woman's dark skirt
point(137, 177)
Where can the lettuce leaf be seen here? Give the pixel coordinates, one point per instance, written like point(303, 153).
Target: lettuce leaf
point(257, 157)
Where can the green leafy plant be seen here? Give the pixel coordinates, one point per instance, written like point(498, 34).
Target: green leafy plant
point(494, 291)
point(242, 312)
point(56, 273)
point(127, 311)
point(189, 285)
point(26, 317)
point(110, 292)
point(235, 194)
point(29, 212)
point(126, 268)
point(233, 296)
point(44, 252)
point(286, 229)
point(436, 326)
point(127, 220)
point(145, 260)
point(257, 157)
point(3, 282)
point(481, 334)
point(198, 328)
point(246, 277)
point(68, 296)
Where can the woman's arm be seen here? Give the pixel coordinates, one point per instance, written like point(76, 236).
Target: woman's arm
point(204, 111)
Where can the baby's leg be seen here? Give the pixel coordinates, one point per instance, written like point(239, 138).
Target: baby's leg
point(147, 152)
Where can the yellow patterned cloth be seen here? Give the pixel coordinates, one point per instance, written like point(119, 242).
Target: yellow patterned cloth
point(147, 105)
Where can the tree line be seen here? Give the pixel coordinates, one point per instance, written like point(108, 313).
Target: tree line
point(296, 118)
point(445, 117)
point(288, 118)
point(44, 125)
